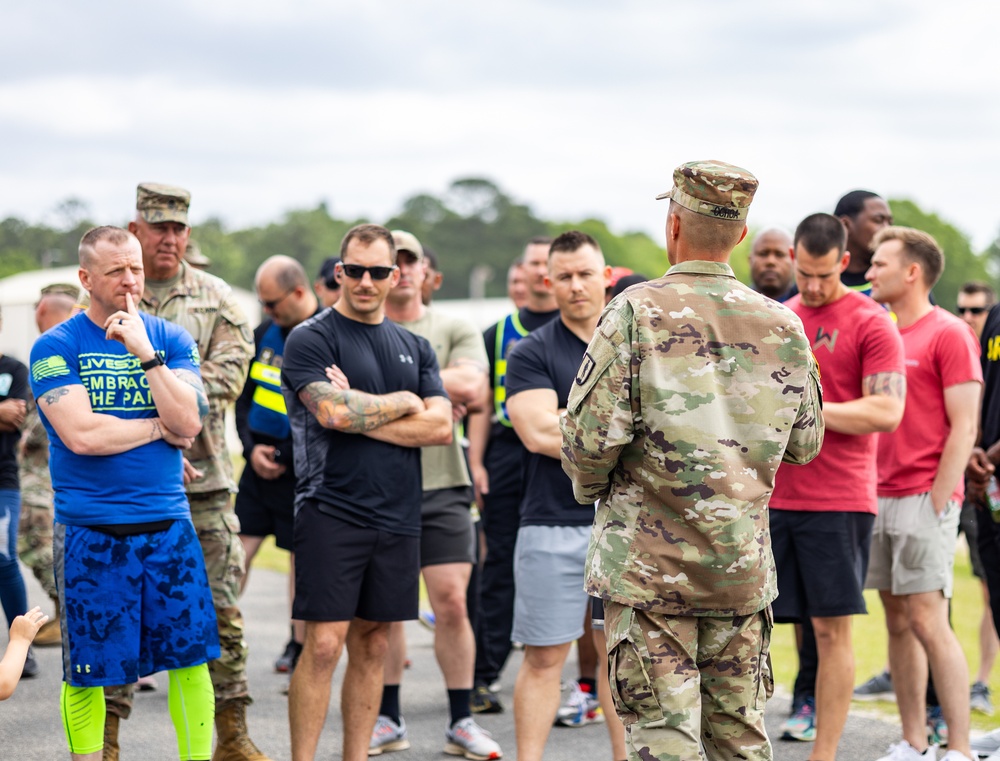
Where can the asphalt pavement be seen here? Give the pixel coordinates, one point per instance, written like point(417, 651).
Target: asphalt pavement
point(31, 728)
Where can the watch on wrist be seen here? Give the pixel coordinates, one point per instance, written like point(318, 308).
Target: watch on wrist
point(149, 364)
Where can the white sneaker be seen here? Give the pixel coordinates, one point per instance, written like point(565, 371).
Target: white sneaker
point(580, 709)
point(954, 755)
point(387, 736)
point(991, 757)
point(986, 744)
point(469, 739)
point(903, 751)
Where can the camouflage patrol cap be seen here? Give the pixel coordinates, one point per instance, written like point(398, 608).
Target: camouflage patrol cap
point(62, 289)
point(408, 242)
point(194, 256)
point(162, 203)
point(713, 188)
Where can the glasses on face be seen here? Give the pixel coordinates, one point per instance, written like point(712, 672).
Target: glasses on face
point(356, 271)
point(971, 310)
point(274, 302)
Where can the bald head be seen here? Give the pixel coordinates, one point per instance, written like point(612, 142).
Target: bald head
point(283, 291)
point(53, 308)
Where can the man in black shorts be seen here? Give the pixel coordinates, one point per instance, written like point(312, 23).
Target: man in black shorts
point(363, 396)
point(265, 502)
point(821, 525)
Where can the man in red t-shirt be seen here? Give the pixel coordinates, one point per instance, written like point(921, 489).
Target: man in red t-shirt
point(920, 489)
point(821, 523)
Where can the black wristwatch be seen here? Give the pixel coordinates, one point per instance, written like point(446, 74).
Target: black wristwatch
point(156, 361)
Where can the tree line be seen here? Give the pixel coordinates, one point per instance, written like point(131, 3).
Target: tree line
point(473, 224)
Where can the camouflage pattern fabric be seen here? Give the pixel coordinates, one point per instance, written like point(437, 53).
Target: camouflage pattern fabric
point(156, 202)
point(713, 188)
point(225, 562)
point(34, 541)
point(692, 392)
point(205, 306)
point(680, 682)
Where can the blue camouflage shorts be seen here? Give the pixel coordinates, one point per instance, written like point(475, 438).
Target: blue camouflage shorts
point(132, 605)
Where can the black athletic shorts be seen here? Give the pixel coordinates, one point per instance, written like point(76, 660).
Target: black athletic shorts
point(822, 561)
point(446, 531)
point(344, 571)
point(266, 507)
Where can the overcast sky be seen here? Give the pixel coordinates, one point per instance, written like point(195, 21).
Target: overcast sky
point(576, 107)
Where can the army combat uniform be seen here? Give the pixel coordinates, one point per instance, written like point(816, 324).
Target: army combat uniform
point(692, 392)
point(34, 541)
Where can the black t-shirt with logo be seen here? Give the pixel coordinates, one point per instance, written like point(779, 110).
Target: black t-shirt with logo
point(548, 358)
point(353, 476)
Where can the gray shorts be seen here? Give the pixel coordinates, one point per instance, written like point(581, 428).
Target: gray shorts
point(446, 531)
point(549, 601)
point(913, 550)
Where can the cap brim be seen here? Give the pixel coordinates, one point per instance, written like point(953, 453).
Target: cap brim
point(664, 195)
point(155, 216)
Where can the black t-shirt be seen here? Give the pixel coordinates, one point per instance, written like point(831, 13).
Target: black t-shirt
point(13, 385)
point(548, 358)
point(990, 358)
point(357, 478)
point(504, 451)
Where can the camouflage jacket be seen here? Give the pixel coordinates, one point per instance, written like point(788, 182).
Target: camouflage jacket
point(33, 462)
point(692, 392)
point(206, 307)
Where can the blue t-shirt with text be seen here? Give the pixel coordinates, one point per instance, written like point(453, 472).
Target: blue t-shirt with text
point(141, 485)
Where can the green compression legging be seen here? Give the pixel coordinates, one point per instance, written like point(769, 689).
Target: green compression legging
point(191, 700)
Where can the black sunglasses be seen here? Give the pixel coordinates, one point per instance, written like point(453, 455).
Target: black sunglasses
point(971, 310)
point(356, 271)
point(273, 303)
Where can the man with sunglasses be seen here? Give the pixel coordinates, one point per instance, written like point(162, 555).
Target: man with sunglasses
point(363, 396)
point(265, 501)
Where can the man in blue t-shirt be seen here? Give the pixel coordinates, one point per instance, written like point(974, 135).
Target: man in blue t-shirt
point(554, 533)
point(363, 395)
point(119, 395)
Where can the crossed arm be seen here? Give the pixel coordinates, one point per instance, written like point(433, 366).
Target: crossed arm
point(878, 410)
point(535, 415)
point(401, 418)
point(86, 432)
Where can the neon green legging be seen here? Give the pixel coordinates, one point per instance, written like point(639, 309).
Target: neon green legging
point(190, 697)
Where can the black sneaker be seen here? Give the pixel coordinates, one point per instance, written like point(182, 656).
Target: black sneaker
point(484, 701)
point(286, 663)
point(30, 669)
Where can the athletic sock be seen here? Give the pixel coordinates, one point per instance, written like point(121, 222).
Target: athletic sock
point(191, 700)
point(588, 685)
point(390, 702)
point(83, 715)
point(458, 704)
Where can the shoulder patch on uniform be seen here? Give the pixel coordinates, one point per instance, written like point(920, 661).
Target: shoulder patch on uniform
point(586, 368)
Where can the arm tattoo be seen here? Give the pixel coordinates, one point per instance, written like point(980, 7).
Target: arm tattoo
point(53, 396)
point(885, 384)
point(352, 411)
point(156, 432)
point(194, 382)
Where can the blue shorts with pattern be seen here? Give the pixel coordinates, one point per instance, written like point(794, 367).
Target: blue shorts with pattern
point(132, 605)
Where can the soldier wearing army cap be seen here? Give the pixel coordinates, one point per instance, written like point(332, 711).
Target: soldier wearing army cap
point(692, 392)
point(207, 308)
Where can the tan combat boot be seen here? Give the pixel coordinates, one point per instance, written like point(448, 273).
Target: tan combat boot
point(110, 738)
point(50, 635)
point(234, 742)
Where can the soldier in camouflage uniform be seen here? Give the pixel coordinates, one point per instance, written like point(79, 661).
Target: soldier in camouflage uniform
point(206, 307)
point(34, 541)
point(692, 392)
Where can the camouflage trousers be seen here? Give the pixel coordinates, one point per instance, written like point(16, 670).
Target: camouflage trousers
point(225, 561)
point(34, 543)
point(690, 687)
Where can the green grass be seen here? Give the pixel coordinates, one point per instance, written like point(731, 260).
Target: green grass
point(870, 640)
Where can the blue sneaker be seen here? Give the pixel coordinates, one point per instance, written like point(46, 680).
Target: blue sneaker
point(580, 709)
point(801, 725)
point(937, 730)
point(426, 618)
